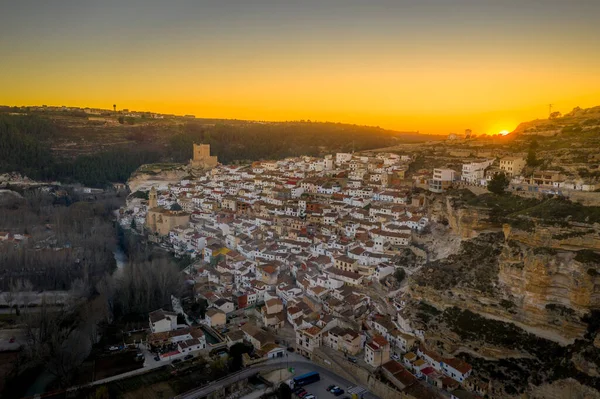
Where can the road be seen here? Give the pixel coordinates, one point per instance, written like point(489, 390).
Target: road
point(299, 363)
point(149, 364)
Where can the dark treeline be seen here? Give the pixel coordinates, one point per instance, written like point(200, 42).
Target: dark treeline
point(70, 247)
point(98, 170)
point(255, 141)
point(25, 148)
point(65, 243)
point(25, 145)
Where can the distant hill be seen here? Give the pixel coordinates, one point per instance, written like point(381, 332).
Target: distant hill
point(578, 117)
point(95, 149)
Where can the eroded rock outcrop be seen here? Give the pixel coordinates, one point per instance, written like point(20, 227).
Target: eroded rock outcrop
point(155, 174)
point(545, 281)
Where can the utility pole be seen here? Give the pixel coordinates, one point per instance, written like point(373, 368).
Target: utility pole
point(549, 109)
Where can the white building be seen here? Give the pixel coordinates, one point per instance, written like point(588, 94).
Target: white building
point(474, 172)
point(161, 321)
point(342, 157)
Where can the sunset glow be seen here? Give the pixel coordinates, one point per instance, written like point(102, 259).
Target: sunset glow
point(389, 63)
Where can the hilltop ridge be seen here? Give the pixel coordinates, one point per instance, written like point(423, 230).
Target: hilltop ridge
point(586, 118)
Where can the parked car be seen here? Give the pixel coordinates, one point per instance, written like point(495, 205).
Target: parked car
point(113, 348)
point(303, 394)
point(310, 396)
point(329, 388)
point(176, 361)
point(396, 357)
point(352, 359)
point(337, 392)
point(157, 358)
point(297, 389)
point(188, 357)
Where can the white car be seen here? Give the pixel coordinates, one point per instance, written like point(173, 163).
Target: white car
point(113, 348)
point(396, 357)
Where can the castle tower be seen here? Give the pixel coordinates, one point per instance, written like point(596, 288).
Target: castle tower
point(202, 157)
point(152, 198)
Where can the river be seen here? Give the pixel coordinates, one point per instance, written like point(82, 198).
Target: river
point(121, 258)
point(46, 378)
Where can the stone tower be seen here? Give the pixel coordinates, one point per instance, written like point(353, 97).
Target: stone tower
point(202, 157)
point(152, 201)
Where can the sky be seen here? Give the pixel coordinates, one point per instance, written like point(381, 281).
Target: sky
point(436, 66)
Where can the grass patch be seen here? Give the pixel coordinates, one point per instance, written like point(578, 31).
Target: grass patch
point(558, 209)
point(520, 212)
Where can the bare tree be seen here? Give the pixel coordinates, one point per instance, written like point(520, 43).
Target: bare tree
point(9, 298)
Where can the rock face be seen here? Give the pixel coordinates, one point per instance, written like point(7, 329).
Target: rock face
point(550, 288)
point(564, 389)
point(155, 174)
point(467, 222)
point(536, 280)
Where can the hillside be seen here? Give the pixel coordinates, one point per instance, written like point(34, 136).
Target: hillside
point(586, 118)
point(98, 149)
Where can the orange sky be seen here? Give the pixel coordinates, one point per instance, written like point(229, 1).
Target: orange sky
point(433, 73)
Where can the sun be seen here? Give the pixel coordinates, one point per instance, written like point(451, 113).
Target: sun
point(504, 132)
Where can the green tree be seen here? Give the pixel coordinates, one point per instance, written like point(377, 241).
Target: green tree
point(284, 391)
point(236, 353)
point(400, 274)
point(176, 207)
point(121, 120)
point(532, 160)
point(498, 184)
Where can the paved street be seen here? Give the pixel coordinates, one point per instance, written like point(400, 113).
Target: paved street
point(300, 364)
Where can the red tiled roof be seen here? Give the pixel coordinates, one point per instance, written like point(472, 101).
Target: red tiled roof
point(458, 364)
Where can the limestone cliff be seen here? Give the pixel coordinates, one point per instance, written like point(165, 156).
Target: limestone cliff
point(467, 222)
point(156, 174)
point(538, 280)
point(550, 288)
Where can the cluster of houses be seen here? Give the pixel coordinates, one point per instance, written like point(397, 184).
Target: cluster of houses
point(481, 172)
point(297, 249)
point(172, 340)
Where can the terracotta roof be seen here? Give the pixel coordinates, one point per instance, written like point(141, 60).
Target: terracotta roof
point(269, 269)
point(458, 364)
point(235, 335)
point(380, 341)
point(405, 377)
point(314, 330)
point(213, 311)
point(159, 315)
point(431, 354)
point(273, 302)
